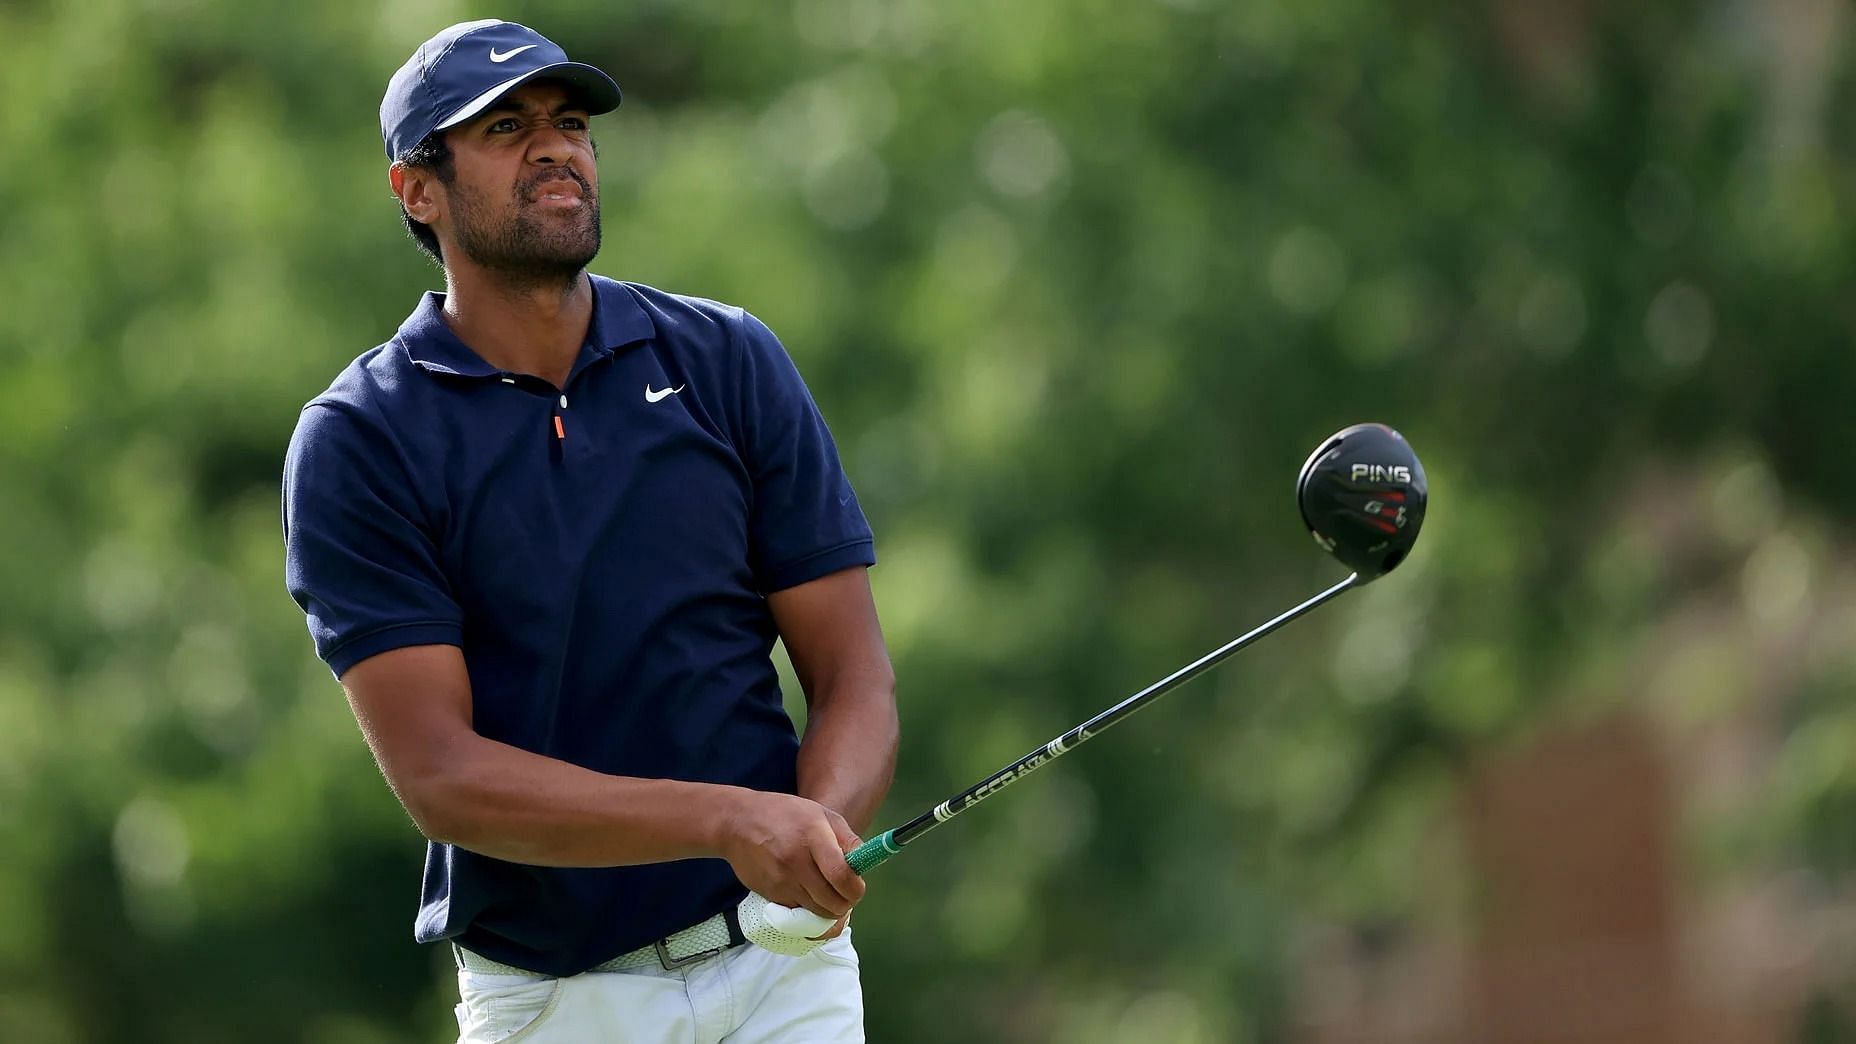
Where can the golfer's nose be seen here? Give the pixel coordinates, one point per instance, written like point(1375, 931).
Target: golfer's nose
point(548, 146)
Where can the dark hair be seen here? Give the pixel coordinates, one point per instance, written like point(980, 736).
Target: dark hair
point(433, 154)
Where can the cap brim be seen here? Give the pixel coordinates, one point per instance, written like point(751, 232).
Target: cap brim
point(597, 89)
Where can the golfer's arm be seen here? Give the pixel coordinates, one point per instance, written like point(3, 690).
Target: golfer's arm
point(414, 707)
point(847, 758)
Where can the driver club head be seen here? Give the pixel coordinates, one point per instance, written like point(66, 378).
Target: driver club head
point(1362, 494)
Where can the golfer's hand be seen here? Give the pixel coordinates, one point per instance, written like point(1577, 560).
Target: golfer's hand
point(836, 929)
point(791, 850)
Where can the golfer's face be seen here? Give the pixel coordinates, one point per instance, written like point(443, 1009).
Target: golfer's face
point(531, 153)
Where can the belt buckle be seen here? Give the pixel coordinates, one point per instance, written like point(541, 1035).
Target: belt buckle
point(673, 963)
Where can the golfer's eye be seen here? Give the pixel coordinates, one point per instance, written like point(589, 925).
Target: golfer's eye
point(507, 123)
point(571, 123)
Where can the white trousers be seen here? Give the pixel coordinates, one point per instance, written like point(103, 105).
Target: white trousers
point(745, 995)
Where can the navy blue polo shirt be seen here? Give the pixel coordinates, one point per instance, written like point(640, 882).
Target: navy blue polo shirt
point(601, 554)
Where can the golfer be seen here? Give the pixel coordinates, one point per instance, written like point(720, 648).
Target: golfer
point(546, 536)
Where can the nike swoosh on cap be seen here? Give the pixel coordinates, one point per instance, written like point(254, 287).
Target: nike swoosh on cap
point(503, 56)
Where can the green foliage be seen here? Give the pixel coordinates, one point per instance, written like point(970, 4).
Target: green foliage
point(1077, 284)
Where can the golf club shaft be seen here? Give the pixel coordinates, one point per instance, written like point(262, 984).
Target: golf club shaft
point(877, 850)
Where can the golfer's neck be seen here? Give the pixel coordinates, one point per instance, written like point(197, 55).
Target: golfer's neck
point(529, 329)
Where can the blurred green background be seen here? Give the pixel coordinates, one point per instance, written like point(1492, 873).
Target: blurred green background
point(1078, 284)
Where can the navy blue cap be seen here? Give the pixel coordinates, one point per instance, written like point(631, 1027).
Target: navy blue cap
point(466, 67)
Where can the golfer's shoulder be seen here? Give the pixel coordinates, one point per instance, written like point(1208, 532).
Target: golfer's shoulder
point(688, 322)
point(358, 402)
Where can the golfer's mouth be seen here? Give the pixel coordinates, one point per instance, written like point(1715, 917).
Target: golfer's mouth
point(557, 192)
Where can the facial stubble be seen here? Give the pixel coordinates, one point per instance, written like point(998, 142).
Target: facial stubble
point(526, 247)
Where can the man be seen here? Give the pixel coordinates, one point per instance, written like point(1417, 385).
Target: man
point(546, 536)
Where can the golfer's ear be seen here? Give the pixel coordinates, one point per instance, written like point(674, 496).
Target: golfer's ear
point(417, 190)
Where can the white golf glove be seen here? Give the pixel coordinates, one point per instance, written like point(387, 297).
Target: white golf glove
point(785, 930)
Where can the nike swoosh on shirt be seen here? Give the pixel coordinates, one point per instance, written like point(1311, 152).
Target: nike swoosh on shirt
point(657, 394)
point(503, 56)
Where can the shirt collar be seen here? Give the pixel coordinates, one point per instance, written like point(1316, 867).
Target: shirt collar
point(618, 320)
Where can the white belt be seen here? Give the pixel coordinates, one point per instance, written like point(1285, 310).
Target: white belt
point(696, 943)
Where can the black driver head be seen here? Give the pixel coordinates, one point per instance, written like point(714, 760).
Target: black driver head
point(1362, 494)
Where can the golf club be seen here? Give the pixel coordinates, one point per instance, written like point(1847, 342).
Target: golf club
point(1362, 494)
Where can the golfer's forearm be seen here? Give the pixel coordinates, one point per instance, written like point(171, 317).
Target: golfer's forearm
point(508, 803)
point(847, 759)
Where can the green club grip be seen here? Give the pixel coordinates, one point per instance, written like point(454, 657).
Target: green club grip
point(872, 853)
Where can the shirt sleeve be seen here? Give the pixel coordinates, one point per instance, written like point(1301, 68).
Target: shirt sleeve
point(805, 521)
point(358, 558)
